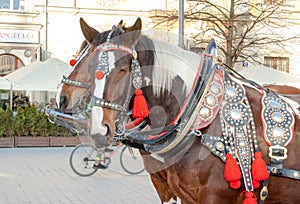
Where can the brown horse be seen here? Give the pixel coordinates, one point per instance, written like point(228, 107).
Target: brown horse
point(186, 171)
point(284, 89)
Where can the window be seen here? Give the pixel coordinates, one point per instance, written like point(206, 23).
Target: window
point(9, 63)
point(277, 2)
point(278, 63)
point(12, 4)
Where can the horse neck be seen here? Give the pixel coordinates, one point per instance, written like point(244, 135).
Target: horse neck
point(169, 71)
point(163, 107)
point(173, 62)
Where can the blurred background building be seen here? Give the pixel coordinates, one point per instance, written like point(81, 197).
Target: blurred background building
point(32, 30)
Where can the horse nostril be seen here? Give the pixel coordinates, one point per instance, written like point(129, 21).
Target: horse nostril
point(108, 130)
point(63, 102)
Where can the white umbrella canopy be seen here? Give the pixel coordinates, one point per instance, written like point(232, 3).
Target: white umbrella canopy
point(39, 76)
point(264, 75)
point(23, 71)
point(4, 84)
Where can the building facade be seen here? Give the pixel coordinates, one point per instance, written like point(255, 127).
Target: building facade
point(283, 56)
point(33, 30)
point(20, 41)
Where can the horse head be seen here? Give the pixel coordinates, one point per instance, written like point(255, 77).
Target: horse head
point(74, 94)
point(110, 66)
point(75, 88)
point(135, 74)
point(118, 66)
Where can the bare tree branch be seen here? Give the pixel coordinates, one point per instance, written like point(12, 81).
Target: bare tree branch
point(241, 27)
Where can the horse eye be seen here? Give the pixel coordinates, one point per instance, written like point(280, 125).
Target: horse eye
point(123, 70)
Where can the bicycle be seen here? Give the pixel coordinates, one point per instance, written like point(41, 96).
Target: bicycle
point(83, 156)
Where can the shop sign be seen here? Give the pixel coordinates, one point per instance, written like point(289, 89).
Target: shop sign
point(19, 36)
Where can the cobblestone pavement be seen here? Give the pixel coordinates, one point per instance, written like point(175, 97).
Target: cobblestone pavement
point(43, 175)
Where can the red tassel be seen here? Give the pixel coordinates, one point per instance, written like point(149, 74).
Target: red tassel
point(255, 184)
point(259, 168)
point(235, 184)
point(140, 107)
point(250, 198)
point(232, 172)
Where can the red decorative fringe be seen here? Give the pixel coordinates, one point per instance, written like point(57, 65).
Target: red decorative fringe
point(72, 62)
point(259, 169)
point(250, 198)
point(140, 107)
point(232, 172)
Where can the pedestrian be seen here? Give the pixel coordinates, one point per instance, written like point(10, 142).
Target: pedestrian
point(53, 103)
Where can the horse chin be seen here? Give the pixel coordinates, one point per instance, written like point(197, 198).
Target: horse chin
point(100, 140)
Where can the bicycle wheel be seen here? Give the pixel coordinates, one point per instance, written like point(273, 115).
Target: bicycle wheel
point(131, 160)
point(82, 159)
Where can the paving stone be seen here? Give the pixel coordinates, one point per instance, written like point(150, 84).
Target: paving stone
point(43, 175)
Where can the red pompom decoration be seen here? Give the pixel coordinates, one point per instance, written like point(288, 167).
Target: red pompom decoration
point(73, 62)
point(250, 198)
point(140, 107)
point(99, 75)
point(232, 172)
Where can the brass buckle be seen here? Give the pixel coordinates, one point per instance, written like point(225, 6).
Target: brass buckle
point(278, 155)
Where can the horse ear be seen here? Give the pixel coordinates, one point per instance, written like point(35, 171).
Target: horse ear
point(137, 25)
point(134, 32)
point(120, 23)
point(88, 32)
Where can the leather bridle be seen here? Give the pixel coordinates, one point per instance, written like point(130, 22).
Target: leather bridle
point(82, 103)
point(135, 76)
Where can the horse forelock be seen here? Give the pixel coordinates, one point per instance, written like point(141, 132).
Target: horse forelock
point(170, 62)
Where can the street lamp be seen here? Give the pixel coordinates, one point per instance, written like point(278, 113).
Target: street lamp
point(181, 23)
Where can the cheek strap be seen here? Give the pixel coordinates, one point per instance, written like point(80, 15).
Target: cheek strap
point(140, 107)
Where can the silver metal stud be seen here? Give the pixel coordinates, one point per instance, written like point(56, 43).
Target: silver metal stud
point(215, 89)
point(231, 91)
point(211, 100)
point(236, 114)
point(274, 104)
point(220, 146)
point(204, 112)
point(277, 132)
point(278, 117)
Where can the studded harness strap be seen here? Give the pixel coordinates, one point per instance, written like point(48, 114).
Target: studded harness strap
point(239, 136)
point(238, 129)
point(66, 80)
